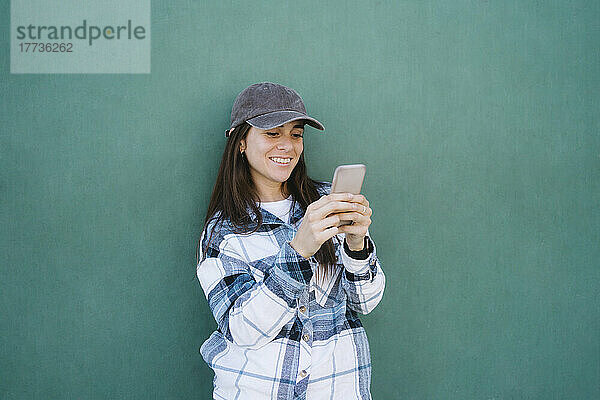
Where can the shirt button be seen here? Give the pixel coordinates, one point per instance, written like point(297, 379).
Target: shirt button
point(302, 309)
point(306, 337)
point(302, 373)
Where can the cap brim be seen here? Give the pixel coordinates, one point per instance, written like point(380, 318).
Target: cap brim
point(278, 118)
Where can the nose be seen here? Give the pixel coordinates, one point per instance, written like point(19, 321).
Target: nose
point(284, 143)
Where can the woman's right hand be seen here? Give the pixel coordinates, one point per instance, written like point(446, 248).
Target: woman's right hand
point(321, 221)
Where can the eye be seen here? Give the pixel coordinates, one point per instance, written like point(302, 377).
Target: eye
point(271, 134)
point(297, 135)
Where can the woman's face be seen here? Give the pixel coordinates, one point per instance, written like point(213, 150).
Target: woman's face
point(272, 154)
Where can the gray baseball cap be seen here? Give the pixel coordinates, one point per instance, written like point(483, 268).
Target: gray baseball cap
point(267, 105)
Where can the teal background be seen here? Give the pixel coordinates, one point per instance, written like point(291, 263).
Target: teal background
point(479, 125)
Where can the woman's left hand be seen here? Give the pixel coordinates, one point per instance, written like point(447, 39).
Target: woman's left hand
point(361, 219)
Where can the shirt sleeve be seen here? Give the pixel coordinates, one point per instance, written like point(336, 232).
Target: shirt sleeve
point(250, 313)
point(363, 280)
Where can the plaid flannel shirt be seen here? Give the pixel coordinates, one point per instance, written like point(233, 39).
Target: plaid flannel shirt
point(281, 334)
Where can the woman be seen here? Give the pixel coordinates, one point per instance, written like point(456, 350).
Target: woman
point(283, 280)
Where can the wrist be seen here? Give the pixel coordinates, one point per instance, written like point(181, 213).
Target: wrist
point(362, 254)
point(298, 249)
point(356, 245)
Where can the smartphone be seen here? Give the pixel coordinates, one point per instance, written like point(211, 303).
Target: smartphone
point(348, 179)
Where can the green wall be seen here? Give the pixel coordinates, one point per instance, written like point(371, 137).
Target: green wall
point(479, 124)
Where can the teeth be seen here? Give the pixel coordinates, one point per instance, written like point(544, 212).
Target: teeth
point(281, 160)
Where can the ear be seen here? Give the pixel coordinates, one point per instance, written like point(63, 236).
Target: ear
point(242, 145)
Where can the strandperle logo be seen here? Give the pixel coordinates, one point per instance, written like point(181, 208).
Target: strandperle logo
point(82, 32)
point(80, 36)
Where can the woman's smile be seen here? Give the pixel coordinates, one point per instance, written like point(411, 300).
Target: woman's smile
point(283, 161)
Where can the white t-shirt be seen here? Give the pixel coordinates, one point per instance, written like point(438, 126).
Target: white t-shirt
point(280, 209)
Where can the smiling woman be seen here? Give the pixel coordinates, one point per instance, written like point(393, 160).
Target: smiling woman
point(283, 278)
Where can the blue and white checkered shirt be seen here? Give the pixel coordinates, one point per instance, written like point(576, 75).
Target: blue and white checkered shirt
point(281, 334)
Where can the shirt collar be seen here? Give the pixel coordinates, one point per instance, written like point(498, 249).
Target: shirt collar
point(268, 218)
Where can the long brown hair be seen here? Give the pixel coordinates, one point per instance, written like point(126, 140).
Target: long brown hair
point(234, 192)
